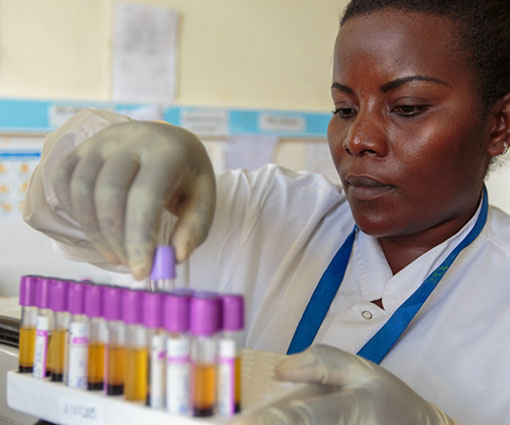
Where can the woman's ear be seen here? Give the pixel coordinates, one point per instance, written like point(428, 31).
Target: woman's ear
point(500, 133)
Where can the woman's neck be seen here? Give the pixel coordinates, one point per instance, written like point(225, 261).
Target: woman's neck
point(401, 251)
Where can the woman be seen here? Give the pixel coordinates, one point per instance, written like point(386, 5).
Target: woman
point(422, 108)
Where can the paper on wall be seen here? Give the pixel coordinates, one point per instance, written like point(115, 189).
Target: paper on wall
point(16, 167)
point(144, 53)
point(249, 151)
point(318, 160)
point(144, 113)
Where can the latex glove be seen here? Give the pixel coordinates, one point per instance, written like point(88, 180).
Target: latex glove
point(361, 393)
point(117, 183)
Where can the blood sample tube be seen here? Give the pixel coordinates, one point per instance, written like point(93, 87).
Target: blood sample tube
point(44, 329)
point(78, 340)
point(153, 322)
point(115, 357)
point(97, 337)
point(163, 269)
point(135, 380)
point(61, 318)
point(176, 316)
point(204, 324)
point(27, 300)
point(229, 356)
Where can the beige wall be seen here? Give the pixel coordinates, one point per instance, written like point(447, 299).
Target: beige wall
point(244, 53)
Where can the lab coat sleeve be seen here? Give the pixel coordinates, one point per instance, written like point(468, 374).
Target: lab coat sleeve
point(41, 208)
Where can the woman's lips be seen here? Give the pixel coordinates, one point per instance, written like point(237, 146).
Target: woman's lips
point(363, 188)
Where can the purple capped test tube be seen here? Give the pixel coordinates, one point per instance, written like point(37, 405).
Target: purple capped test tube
point(115, 350)
point(78, 340)
point(135, 381)
point(44, 328)
point(229, 354)
point(178, 366)
point(97, 337)
point(27, 300)
point(205, 311)
point(61, 318)
point(153, 322)
point(163, 269)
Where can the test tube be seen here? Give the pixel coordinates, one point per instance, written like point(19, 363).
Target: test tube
point(229, 358)
point(27, 300)
point(97, 337)
point(61, 318)
point(204, 324)
point(176, 317)
point(163, 269)
point(44, 329)
point(78, 339)
point(153, 322)
point(115, 350)
point(135, 380)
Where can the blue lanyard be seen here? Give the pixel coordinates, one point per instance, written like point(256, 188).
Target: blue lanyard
point(384, 340)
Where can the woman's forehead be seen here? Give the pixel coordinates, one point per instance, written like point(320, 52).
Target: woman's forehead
point(397, 40)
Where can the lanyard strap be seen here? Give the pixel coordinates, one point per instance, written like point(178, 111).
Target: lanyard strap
point(383, 341)
point(322, 298)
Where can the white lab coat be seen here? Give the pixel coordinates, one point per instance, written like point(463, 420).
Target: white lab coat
point(273, 235)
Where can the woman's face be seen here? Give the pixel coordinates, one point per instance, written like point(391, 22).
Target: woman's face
point(407, 138)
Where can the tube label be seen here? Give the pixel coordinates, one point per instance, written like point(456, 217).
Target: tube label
point(41, 346)
point(226, 377)
point(157, 372)
point(178, 395)
point(78, 351)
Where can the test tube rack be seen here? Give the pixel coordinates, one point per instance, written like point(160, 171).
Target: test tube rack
point(57, 403)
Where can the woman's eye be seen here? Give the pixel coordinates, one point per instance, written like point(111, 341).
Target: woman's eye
point(344, 113)
point(409, 110)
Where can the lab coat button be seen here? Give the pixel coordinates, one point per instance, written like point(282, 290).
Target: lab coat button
point(366, 314)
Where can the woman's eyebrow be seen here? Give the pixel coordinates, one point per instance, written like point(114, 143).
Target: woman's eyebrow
point(393, 84)
point(342, 87)
point(400, 81)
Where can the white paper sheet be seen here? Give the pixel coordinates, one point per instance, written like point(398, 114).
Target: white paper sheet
point(318, 160)
point(144, 53)
point(249, 152)
point(145, 113)
point(18, 158)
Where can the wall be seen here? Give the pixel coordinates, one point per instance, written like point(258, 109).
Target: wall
point(251, 53)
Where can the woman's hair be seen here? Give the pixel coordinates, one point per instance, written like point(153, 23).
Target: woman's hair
point(483, 33)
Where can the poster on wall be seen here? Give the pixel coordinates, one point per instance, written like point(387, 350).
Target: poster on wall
point(144, 53)
point(16, 167)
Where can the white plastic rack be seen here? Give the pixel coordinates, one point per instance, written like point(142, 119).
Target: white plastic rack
point(57, 403)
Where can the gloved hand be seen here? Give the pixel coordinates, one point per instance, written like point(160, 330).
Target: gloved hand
point(361, 393)
point(117, 183)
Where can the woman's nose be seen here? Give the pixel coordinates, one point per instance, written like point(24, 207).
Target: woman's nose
point(366, 135)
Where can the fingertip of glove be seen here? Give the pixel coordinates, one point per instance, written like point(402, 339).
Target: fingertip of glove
point(140, 271)
point(183, 245)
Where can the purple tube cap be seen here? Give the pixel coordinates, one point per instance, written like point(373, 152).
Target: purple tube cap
point(232, 312)
point(132, 307)
point(163, 266)
point(112, 302)
point(43, 296)
point(205, 315)
point(59, 295)
point(177, 312)
point(93, 300)
point(153, 310)
point(28, 290)
point(76, 298)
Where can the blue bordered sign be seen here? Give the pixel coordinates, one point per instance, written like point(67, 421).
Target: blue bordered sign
point(41, 116)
